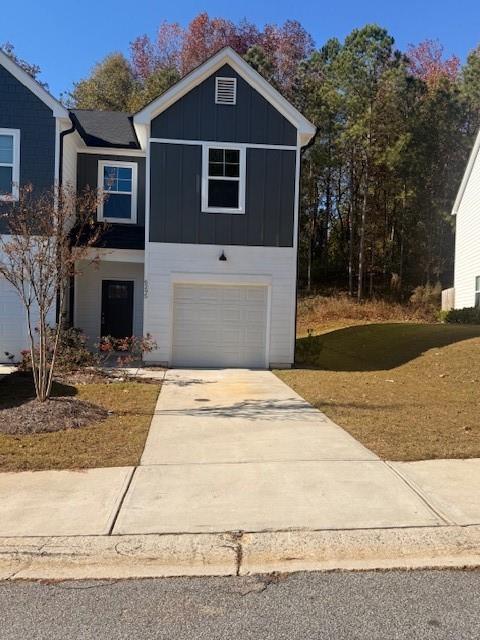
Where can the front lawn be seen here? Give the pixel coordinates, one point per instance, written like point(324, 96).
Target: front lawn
point(406, 391)
point(116, 441)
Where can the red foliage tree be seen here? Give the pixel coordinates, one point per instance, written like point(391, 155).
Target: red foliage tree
point(427, 62)
point(184, 49)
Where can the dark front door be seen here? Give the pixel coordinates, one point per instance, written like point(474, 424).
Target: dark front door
point(117, 308)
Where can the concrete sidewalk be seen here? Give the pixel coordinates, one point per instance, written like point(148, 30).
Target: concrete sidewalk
point(239, 451)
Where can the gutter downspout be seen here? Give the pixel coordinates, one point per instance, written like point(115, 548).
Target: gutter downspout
point(60, 182)
point(60, 167)
point(302, 152)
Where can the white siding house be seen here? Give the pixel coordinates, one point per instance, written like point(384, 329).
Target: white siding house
point(467, 242)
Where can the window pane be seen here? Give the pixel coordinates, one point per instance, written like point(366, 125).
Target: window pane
point(215, 169)
point(118, 205)
point(6, 149)
point(477, 284)
point(215, 155)
point(232, 170)
point(110, 178)
point(124, 173)
point(223, 193)
point(5, 180)
point(477, 299)
point(232, 156)
point(124, 185)
point(117, 291)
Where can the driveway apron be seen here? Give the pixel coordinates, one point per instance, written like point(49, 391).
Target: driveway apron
point(239, 450)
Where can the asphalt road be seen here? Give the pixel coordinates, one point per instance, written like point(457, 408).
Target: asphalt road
point(386, 605)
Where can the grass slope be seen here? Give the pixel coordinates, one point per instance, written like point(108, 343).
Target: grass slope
point(406, 391)
point(116, 441)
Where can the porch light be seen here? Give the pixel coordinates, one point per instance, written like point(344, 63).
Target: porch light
point(223, 257)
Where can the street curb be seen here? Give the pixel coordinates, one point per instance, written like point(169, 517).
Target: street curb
point(224, 554)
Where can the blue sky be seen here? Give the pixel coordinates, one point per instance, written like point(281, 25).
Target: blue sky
point(66, 39)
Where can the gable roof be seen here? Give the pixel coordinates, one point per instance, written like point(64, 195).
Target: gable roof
point(227, 55)
point(35, 87)
point(112, 129)
point(466, 176)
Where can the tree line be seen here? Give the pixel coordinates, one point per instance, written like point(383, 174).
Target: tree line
point(394, 132)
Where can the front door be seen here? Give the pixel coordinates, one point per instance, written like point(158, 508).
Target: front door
point(117, 308)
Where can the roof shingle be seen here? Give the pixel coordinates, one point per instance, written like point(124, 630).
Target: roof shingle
point(112, 129)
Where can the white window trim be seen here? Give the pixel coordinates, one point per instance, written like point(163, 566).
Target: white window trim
point(15, 165)
point(241, 179)
point(234, 83)
point(114, 163)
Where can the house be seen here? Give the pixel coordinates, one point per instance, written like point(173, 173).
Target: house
point(466, 291)
point(203, 191)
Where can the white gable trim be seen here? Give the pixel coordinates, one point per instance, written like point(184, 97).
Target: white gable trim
point(22, 76)
point(228, 56)
point(466, 177)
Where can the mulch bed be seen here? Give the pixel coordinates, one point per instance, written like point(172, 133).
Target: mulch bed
point(55, 414)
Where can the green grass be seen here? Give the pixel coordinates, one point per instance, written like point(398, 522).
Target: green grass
point(407, 391)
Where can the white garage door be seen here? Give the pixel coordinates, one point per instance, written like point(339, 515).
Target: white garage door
point(13, 326)
point(219, 326)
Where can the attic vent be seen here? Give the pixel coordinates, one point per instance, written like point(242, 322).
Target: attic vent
point(225, 90)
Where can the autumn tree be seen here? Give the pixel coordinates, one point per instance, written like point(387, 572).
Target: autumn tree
point(109, 87)
point(427, 62)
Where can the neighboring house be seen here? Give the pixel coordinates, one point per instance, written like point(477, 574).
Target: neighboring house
point(466, 291)
point(201, 248)
point(31, 121)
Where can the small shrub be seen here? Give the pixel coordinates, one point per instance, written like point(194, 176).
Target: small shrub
point(467, 315)
point(427, 296)
point(72, 353)
point(126, 350)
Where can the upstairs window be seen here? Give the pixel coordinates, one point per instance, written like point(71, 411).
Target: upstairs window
point(477, 291)
point(119, 183)
point(223, 180)
point(225, 91)
point(9, 163)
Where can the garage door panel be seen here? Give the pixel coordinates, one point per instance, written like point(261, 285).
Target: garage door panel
point(219, 325)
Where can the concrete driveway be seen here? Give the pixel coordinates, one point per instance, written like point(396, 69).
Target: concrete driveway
point(236, 450)
point(239, 450)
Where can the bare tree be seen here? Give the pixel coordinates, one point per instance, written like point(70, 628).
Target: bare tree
point(49, 233)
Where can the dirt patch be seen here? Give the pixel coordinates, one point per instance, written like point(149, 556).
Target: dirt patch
point(55, 414)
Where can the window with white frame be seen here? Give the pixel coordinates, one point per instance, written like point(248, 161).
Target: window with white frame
point(119, 183)
point(223, 179)
point(9, 163)
point(477, 291)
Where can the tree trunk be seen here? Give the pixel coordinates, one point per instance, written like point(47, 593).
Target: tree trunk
point(361, 250)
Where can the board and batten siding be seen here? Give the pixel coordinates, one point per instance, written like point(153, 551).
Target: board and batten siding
point(467, 241)
point(88, 295)
point(168, 263)
point(195, 116)
point(21, 109)
point(175, 207)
